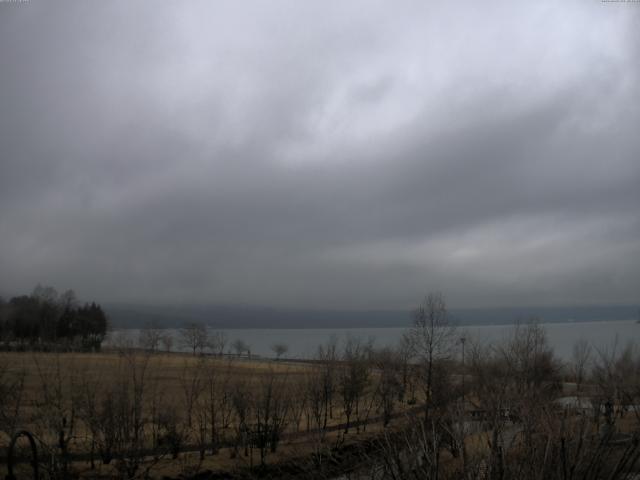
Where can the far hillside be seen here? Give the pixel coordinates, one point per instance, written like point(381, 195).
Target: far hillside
point(229, 316)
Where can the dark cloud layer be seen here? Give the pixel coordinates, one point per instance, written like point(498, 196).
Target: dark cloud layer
point(305, 154)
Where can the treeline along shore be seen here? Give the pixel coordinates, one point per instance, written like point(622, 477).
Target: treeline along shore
point(46, 320)
point(438, 405)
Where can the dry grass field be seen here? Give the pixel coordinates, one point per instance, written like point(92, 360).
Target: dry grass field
point(173, 411)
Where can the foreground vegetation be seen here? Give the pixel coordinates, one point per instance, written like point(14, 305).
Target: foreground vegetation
point(439, 406)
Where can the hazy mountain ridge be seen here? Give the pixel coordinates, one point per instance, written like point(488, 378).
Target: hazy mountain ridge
point(135, 316)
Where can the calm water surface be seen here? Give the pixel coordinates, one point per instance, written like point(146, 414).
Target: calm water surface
point(303, 343)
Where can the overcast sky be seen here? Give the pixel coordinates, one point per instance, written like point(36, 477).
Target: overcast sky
point(322, 154)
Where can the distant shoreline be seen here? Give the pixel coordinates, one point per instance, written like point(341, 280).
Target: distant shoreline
point(380, 327)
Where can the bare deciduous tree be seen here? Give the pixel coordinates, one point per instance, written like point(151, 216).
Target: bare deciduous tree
point(389, 386)
point(404, 355)
point(327, 358)
point(353, 377)
point(279, 349)
point(150, 337)
point(130, 394)
point(215, 400)
point(194, 337)
point(431, 338)
point(11, 398)
point(242, 401)
point(217, 342)
point(57, 407)
point(240, 347)
point(270, 411)
point(581, 356)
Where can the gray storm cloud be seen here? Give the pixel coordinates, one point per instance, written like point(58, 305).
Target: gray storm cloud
point(321, 154)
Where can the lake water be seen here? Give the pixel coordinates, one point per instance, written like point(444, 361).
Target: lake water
point(303, 343)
